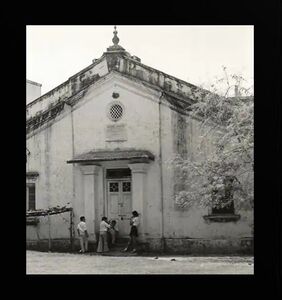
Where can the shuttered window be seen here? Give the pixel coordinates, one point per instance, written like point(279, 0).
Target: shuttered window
point(31, 196)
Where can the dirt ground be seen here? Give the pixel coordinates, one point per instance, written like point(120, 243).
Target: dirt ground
point(66, 263)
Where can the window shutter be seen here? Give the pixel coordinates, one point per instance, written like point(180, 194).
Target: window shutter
point(31, 197)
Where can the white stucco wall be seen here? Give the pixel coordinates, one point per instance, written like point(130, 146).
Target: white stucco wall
point(50, 148)
point(141, 124)
point(189, 223)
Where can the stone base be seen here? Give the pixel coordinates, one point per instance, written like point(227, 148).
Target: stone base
point(184, 246)
point(58, 245)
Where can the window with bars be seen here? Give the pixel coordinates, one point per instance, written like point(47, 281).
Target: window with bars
point(114, 187)
point(115, 111)
point(126, 186)
point(31, 196)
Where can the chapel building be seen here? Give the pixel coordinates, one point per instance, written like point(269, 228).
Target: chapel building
point(101, 143)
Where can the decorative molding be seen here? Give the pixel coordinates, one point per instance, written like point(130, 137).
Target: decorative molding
point(90, 169)
point(44, 117)
point(32, 174)
point(138, 167)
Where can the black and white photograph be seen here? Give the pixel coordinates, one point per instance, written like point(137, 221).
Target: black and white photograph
point(139, 149)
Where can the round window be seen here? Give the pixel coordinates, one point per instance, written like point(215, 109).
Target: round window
point(115, 112)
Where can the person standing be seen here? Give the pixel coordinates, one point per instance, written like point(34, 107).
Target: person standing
point(134, 222)
point(83, 235)
point(103, 243)
point(113, 232)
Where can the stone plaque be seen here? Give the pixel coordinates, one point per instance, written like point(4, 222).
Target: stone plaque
point(116, 133)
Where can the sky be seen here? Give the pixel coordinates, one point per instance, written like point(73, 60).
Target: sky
point(194, 54)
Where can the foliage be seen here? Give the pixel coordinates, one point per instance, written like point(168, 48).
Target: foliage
point(50, 211)
point(225, 173)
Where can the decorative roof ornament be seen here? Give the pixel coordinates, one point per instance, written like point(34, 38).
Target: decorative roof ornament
point(116, 47)
point(115, 38)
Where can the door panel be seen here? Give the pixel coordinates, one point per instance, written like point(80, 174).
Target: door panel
point(126, 207)
point(119, 204)
point(113, 204)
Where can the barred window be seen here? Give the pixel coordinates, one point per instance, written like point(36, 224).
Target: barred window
point(114, 187)
point(126, 186)
point(116, 111)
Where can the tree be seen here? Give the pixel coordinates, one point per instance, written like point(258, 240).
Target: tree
point(223, 177)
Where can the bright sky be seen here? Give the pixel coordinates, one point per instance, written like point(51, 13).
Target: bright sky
point(192, 53)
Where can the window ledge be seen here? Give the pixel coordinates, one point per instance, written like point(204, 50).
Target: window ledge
point(32, 174)
point(222, 218)
point(32, 221)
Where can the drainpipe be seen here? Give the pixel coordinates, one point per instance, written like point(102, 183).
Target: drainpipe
point(161, 173)
point(72, 231)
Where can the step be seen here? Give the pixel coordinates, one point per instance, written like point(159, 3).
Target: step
point(122, 240)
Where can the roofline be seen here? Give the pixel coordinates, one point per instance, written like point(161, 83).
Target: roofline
point(88, 67)
point(139, 81)
point(165, 74)
point(73, 161)
point(181, 98)
point(67, 81)
point(33, 82)
point(39, 98)
point(110, 70)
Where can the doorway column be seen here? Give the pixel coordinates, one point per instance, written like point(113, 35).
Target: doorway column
point(139, 172)
point(90, 195)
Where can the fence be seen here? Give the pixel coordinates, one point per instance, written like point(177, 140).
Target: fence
point(32, 218)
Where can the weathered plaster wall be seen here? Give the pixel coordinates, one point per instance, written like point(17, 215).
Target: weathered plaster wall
point(59, 228)
point(184, 138)
point(68, 88)
point(45, 101)
point(49, 148)
point(140, 118)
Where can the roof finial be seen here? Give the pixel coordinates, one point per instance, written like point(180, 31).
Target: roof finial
point(115, 38)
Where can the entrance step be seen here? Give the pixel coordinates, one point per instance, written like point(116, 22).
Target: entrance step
point(122, 240)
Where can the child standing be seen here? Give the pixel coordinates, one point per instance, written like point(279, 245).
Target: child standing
point(83, 235)
point(113, 231)
point(103, 244)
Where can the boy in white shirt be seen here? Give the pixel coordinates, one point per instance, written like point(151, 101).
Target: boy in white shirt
point(83, 235)
point(103, 243)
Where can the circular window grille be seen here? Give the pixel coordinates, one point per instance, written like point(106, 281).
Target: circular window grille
point(116, 112)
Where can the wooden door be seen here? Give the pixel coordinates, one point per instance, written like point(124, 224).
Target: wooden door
point(119, 204)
